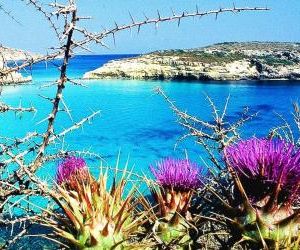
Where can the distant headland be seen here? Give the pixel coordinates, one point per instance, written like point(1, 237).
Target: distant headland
point(224, 61)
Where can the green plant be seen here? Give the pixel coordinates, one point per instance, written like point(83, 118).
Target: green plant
point(266, 189)
point(93, 217)
point(178, 180)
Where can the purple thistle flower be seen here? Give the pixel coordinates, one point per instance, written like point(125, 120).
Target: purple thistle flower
point(261, 164)
point(180, 175)
point(69, 167)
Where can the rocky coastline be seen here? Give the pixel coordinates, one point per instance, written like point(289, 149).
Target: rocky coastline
point(226, 61)
point(8, 55)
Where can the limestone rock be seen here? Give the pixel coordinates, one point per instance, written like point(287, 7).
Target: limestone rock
point(10, 55)
point(226, 61)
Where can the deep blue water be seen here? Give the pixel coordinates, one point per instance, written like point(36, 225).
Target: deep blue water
point(134, 120)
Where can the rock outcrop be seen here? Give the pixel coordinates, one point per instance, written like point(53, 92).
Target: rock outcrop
point(7, 56)
point(226, 61)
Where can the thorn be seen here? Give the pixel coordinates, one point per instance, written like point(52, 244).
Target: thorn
point(131, 18)
point(46, 98)
point(173, 12)
point(179, 19)
point(45, 119)
point(145, 16)
point(139, 29)
point(197, 10)
point(113, 34)
point(158, 15)
point(104, 45)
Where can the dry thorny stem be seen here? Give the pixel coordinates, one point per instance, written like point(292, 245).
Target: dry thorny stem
point(18, 180)
point(288, 131)
point(213, 135)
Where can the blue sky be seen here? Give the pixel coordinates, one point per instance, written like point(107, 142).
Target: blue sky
point(279, 24)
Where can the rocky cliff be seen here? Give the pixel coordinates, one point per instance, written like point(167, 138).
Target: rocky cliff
point(8, 55)
point(226, 61)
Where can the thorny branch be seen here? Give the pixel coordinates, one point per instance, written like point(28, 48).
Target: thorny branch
point(4, 108)
point(60, 84)
point(49, 16)
point(287, 130)
point(23, 181)
point(212, 136)
point(8, 13)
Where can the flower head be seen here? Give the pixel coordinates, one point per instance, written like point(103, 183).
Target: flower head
point(261, 164)
point(177, 181)
point(70, 168)
point(180, 175)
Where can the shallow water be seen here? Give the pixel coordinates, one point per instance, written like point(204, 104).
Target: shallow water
point(136, 121)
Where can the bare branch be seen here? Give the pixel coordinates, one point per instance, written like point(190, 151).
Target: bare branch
point(4, 108)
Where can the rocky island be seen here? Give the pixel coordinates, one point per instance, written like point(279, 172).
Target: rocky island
point(226, 61)
point(8, 55)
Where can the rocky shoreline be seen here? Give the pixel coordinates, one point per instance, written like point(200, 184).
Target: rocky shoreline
point(10, 55)
point(226, 61)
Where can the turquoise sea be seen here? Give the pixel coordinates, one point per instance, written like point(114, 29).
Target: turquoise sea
point(134, 120)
